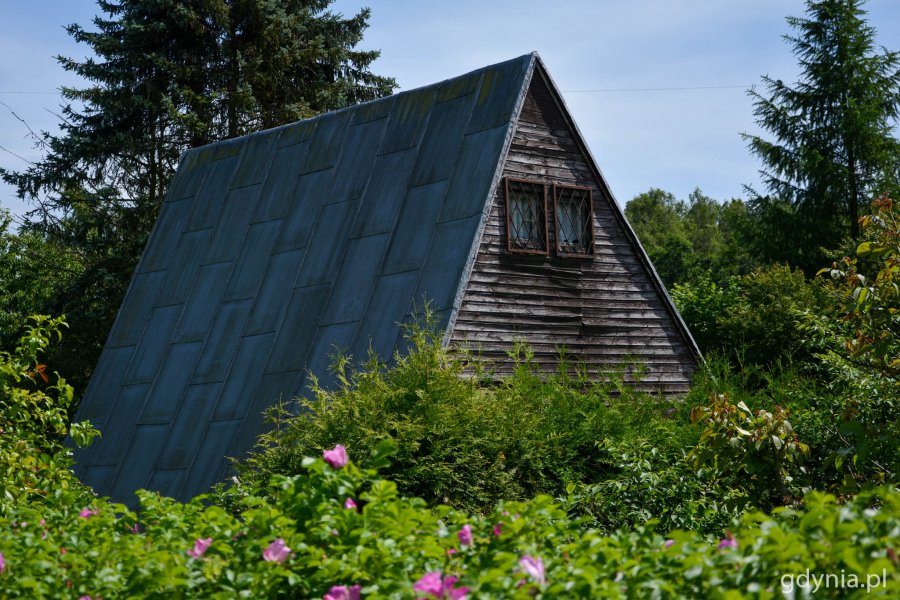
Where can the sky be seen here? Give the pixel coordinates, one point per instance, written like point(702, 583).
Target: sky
point(622, 66)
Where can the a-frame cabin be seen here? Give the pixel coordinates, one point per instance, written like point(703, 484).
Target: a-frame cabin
point(271, 250)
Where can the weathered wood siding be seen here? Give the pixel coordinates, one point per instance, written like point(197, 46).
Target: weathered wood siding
point(605, 310)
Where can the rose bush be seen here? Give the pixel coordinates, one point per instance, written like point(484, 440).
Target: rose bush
point(305, 544)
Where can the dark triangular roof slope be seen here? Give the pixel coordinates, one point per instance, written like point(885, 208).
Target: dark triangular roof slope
point(272, 249)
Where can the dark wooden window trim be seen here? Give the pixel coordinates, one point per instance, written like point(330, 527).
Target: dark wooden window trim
point(511, 247)
point(588, 219)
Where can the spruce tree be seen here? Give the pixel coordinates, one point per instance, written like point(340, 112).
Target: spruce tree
point(164, 76)
point(833, 148)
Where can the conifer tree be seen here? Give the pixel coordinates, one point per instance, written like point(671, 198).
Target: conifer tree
point(164, 76)
point(833, 148)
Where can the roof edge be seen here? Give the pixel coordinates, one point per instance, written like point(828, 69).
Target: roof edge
point(489, 200)
point(619, 214)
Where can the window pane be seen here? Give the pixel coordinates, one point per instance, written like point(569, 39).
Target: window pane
point(525, 203)
point(574, 225)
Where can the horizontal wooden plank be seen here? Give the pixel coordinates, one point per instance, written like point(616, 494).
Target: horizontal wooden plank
point(606, 309)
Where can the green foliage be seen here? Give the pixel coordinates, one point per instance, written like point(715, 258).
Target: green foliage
point(869, 288)
point(833, 132)
point(861, 351)
point(461, 440)
point(690, 240)
point(760, 444)
point(34, 422)
point(31, 269)
point(388, 544)
point(752, 319)
point(644, 484)
point(853, 439)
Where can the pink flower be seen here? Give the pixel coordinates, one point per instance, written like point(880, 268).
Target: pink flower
point(342, 592)
point(451, 592)
point(669, 543)
point(534, 567)
point(336, 457)
point(87, 513)
point(277, 551)
point(728, 542)
point(42, 523)
point(200, 546)
point(497, 529)
point(465, 535)
point(440, 587)
point(430, 583)
point(2, 563)
point(349, 503)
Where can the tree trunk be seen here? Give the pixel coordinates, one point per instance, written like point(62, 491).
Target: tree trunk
point(854, 194)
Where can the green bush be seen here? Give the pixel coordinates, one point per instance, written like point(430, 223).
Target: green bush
point(34, 423)
point(853, 436)
point(308, 541)
point(753, 319)
point(461, 440)
point(644, 484)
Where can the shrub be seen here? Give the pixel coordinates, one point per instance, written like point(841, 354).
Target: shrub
point(308, 541)
point(646, 485)
point(34, 422)
point(753, 319)
point(464, 441)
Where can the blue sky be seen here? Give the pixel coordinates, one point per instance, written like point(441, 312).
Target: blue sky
point(676, 140)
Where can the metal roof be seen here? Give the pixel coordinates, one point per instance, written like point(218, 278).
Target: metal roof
point(274, 249)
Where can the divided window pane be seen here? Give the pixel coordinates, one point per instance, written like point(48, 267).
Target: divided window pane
point(574, 222)
point(526, 216)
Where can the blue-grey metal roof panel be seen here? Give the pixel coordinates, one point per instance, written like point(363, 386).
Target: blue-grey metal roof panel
point(276, 249)
point(130, 324)
point(178, 282)
point(276, 194)
point(200, 308)
point(185, 437)
point(272, 301)
point(169, 388)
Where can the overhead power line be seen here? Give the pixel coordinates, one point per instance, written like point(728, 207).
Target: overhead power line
point(645, 89)
point(660, 89)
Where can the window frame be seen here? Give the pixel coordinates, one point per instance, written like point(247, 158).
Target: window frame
point(546, 224)
point(560, 251)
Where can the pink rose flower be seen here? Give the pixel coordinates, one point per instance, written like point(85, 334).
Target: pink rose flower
point(465, 535)
point(534, 567)
point(430, 583)
point(200, 546)
point(349, 503)
point(336, 457)
point(440, 587)
point(497, 530)
point(87, 513)
point(2, 563)
point(342, 592)
point(277, 551)
point(728, 542)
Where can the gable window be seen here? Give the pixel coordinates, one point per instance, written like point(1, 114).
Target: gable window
point(526, 216)
point(574, 222)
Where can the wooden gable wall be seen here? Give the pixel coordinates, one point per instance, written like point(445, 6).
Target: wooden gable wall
point(605, 310)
